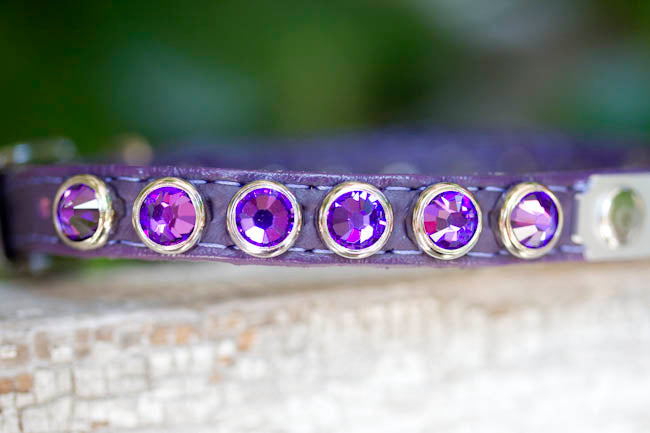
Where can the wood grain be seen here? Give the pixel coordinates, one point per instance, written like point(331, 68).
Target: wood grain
point(196, 347)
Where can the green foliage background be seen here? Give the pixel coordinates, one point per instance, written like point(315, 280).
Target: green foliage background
point(164, 70)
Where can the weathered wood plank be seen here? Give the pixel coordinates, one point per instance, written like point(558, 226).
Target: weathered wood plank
point(234, 349)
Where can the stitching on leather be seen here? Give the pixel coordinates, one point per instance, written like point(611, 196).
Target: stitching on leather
point(127, 179)
point(398, 188)
point(493, 188)
point(211, 245)
point(405, 252)
point(128, 243)
point(578, 186)
point(567, 249)
point(227, 182)
point(480, 254)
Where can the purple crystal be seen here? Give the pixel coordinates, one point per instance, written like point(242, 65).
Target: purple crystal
point(264, 217)
point(450, 220)
point(534, 220)
point(78, 212)
point(167, 216)
point(356, 220)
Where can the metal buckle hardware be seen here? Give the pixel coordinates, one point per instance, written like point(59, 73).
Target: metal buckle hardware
point(613, 217)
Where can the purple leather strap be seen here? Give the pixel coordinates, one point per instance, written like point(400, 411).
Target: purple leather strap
point(28, 192)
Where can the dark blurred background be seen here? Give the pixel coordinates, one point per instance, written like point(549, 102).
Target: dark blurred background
point(102, 72)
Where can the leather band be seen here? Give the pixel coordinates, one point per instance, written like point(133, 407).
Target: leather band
point(28, 191)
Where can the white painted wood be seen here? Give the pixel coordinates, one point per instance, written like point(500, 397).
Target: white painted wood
point(217, 348)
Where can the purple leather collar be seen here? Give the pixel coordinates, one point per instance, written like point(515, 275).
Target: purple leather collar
point(310, 171)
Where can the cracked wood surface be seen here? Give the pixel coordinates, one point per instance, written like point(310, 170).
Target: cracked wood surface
point(219, 348)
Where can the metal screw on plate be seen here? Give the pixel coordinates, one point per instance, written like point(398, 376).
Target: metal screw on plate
point(623, 215)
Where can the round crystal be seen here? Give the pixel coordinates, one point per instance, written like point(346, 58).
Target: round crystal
point(534, 220)
point(356, 220)
point(450, 220)
point(264, 217)
point(167, 216)
point(78, 212)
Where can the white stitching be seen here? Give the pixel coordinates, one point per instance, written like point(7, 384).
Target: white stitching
point(130, 179)
point(405, 252)
point(399, 188)
point(480, 254)
point(558, 188)
point(568, 249)
point(578, 186)
point(319, 251)
point(493, 188)
point(296, 186)
point(228, 183)
point(211, 245)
